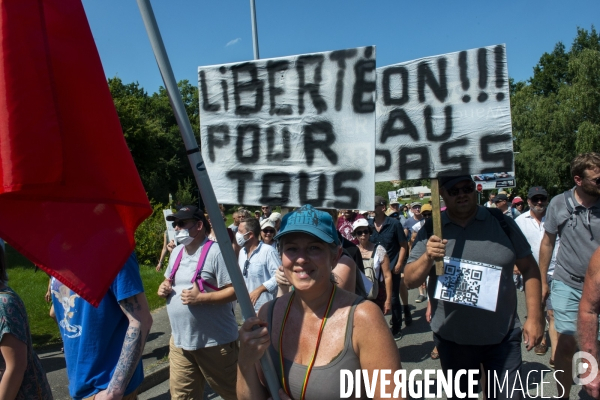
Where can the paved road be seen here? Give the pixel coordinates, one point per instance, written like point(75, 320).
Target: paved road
point(415, 348)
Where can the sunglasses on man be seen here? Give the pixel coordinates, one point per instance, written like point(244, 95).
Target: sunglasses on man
point(596, 180)
point(538, 199)
point(467, 189)
point(180, 223)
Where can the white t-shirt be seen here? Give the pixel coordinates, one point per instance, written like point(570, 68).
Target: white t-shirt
point(534, 233)
point(204, 325)
point(377, 260)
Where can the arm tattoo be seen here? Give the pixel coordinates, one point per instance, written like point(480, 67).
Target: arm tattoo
point(131, 353)
point(131, 305)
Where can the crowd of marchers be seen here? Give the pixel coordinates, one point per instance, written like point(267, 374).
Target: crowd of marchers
point(321, 282)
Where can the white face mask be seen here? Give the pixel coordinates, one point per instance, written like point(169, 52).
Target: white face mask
point(183, 236)
point(239, 238)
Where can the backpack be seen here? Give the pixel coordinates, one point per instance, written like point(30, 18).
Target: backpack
point(571, 208)
point(370, 275)
point(494, 211)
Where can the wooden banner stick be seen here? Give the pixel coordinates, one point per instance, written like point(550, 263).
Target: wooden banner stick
point(437, 221)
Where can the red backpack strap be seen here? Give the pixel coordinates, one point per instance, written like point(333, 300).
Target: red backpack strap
point(197, 278)
point(176, 265)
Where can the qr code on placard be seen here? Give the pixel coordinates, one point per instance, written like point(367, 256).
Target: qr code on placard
point(460, 285)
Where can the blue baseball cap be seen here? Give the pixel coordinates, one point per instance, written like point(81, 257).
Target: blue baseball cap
point(308, 219)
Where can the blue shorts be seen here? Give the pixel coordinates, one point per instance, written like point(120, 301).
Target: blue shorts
point(548, 300)
point(565, 301)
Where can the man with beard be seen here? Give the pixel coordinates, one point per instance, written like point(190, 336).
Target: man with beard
point(532, 223)
point(575, 216)
point(344, 224)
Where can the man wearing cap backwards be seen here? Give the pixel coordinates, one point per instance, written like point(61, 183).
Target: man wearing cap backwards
point(258, 262)
point(575, 217)
point(501, 202)
point(467, 336)
point(389, 233)
point(203, 344)
point(531, 224)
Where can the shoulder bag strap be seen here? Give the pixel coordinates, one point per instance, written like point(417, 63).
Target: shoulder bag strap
point(197, 278)
point(176, 265)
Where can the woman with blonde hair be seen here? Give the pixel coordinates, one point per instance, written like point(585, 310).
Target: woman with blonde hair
point(318, 329)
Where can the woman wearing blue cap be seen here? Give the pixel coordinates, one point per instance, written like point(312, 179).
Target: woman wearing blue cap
point(317, 330)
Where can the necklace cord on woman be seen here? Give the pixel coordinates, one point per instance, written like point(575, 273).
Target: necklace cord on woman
point(284, 383)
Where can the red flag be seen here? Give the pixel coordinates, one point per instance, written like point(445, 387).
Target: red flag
point(71, 197)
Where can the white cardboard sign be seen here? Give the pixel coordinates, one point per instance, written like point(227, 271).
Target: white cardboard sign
point(291, 131)
point(444, 115)
point(169, 224)
point(469, 283)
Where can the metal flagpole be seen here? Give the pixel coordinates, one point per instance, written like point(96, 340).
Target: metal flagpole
point(203, 182)
point(254, 30)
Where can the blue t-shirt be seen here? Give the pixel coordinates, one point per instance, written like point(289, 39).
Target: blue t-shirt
point(93, 337)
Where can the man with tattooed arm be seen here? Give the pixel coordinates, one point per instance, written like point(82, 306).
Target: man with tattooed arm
point(103, 346)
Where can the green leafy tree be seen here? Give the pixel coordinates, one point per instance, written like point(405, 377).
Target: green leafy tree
point(184, 194)
point(152, 135)
point(149, 237)
point(556, 114)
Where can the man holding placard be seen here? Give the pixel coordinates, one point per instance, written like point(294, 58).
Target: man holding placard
point(474, 303)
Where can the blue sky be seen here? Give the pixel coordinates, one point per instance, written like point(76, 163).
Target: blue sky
point(205, 32)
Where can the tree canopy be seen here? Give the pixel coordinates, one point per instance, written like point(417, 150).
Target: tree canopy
point(152, 134)
point(556, 113)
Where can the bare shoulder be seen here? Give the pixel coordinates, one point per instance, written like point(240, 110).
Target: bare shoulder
point(347, 261)
point(369, 313)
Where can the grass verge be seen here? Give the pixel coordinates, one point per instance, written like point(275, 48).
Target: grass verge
point(31, 286)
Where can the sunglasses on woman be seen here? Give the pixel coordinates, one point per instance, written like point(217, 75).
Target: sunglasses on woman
point(360, 232)
point(269, 231)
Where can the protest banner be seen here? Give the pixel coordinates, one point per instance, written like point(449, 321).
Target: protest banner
point(291, 131)
point(444, 115)
point(170, 229)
